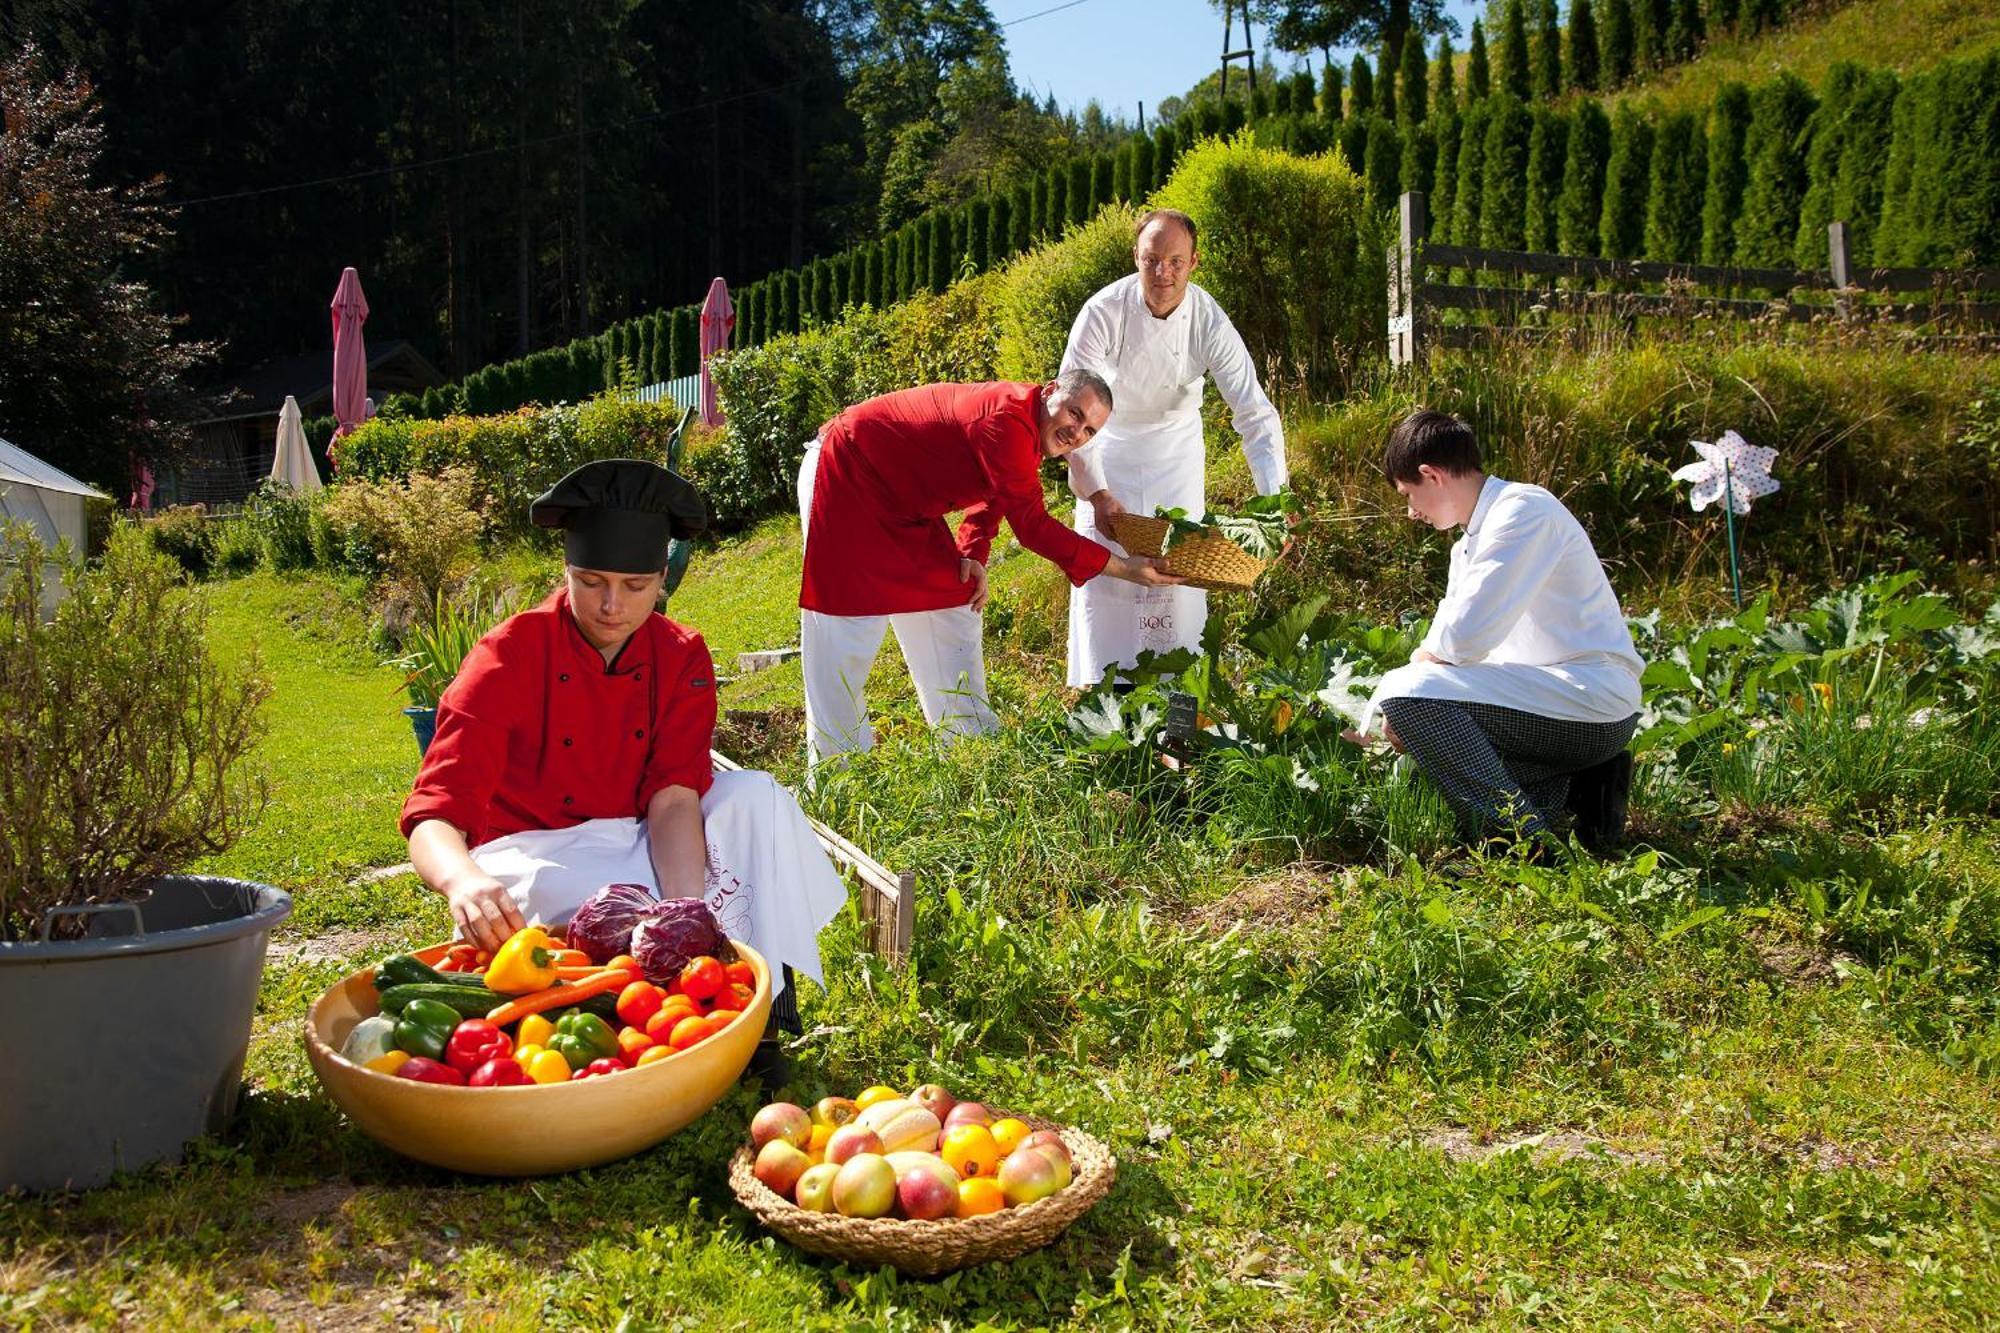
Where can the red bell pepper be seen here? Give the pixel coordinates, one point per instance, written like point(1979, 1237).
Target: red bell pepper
point(474, 1042)
point(503, 1072)
point(430, 1071)
point(598, 1068)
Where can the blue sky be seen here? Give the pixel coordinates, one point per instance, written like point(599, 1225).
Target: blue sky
point(1123, 52)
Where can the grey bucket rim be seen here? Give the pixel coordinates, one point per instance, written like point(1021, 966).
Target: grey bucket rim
point(273, 905)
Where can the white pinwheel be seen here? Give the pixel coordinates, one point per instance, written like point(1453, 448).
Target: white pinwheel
point(1731, 467)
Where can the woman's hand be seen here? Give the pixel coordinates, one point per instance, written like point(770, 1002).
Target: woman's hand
point(971, 571)
point(483, 910)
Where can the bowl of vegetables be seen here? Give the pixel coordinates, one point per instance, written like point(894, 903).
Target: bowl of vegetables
point(539, 1060)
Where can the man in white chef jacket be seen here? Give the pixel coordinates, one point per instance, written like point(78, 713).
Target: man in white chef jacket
point(1525, 692)
point(1154, 336)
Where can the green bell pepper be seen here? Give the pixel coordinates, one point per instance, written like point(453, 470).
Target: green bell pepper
point(424, 1028)
point(580, 1038)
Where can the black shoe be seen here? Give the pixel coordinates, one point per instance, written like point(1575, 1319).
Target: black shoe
point(1598, 797)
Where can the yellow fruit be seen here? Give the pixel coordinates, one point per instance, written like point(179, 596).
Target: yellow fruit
point(971, 1151)
point(878, 1093)
point(534, 1031)
point(1009, 1134)
point(820, 1134)
point(981, 1194)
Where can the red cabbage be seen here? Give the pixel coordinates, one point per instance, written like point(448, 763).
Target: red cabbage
point(603, 926)
point(672, 934)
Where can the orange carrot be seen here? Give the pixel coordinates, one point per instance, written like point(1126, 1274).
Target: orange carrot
point(569, 972)
point(575, 958)
point(560, 994)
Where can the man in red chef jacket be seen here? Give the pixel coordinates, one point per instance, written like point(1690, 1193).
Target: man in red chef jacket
point(874, 490)
point(572, 750)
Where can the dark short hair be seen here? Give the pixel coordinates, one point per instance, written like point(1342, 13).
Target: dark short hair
point(1079, 380)
point(1436, 439)
point(1173, 215)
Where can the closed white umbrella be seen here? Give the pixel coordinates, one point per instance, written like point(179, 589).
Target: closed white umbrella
point(292, 462)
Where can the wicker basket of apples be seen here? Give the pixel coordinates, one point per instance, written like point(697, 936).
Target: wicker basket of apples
point(925, 1183)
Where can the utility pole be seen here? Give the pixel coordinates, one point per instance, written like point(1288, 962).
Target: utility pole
point(1248, 54)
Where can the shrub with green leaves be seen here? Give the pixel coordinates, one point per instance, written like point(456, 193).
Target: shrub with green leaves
point(184, 534)
point(282, 520)
point(1041, 292)
point(121, 737)
point(1774, 147)
point(1728, 173)
point(1622, 227)
point(1674, 195)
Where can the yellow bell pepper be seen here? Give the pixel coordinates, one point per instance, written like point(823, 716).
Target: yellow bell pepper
point(526, 962)
point(534, 1031)
point(388, 1062)
point(548, 1067)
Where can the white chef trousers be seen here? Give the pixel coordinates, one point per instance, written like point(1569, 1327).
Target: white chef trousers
point(768, 882)
point(945, 650)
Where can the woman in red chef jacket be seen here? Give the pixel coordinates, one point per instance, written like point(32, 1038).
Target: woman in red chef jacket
point(572, 750)
point(874, 490)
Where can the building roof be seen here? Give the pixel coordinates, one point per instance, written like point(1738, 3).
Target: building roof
point(393, 367)
point(18, 466)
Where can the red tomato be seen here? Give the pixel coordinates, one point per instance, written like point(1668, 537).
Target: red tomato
point(738, 996)
point(639, 1002)
point(740, 974)
point(632, 1044)
point(687, 1032)
point(703, 979)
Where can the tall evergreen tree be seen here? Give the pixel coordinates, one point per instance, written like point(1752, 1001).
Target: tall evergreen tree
point(1467, 195)
point(1503, 204)
point(788, 302)
point(1360, 88)
point(1077, 192)
point(1167, 145)
point(1832, 124)
point(1649, 31)
point(1419, 156)
point(1101, 191)
point(1057, 202)
point(1021, 219)
point(1724, 13)
point(1385, 85)
point(1478, 70)
point(1622, 225)
point(999, 229)
point(1444, 88)
point(1038, 208)
point(1143, 181)
point(1354, 143)
point(1413, 98)
point(1941, 198)
point(1858, 186)
point(1548, 152)
point(1444, 173)
point(1548, 53)
point(1620, 44)
point(1674, 192)
point(1302, 93)
point(1516, 68)
point(1384, 163)
point(1728, 171)
point(1685, 31)
point(1329, 92)
point(944, 257)
point(1762, 15)
point(1779, 113)
point(1583, 52)
point(979, 232)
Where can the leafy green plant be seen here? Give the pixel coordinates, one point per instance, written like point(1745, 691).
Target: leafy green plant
point(282, 521)
point(121, 737)
point(438, 643)
point(420, 537)
point(182, 533)
point(1259, 525)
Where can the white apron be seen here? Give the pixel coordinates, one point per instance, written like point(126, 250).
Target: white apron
point(1153, 456)
point(769, 882)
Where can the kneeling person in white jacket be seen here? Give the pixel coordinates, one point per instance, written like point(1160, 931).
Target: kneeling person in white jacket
point(1527, 683)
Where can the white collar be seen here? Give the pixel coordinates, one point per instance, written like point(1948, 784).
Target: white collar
point(1488, 493)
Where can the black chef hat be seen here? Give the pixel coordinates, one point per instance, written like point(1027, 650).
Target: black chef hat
point(618, 514)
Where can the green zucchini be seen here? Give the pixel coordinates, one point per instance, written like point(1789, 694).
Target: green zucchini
point(468, 1002)
point(406, 970)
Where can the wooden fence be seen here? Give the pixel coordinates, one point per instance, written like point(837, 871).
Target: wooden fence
point(888, 899)
point(1837, 293)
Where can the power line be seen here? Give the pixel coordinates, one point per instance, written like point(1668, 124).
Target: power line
point(1042, 13)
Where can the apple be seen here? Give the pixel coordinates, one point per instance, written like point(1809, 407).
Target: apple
point(1028, 1174)
point(935, 1099)
point(781, 1120)
point(834, 1111)
point(968, 1113)
point(1050, 1141)
point(902, 1124)
point(865, 1186)
point(851, 1141)
point(815, 1188)
point(779, 1166)
point(925, 1187)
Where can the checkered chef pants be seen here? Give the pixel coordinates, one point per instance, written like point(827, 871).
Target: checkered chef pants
point(1501, 769)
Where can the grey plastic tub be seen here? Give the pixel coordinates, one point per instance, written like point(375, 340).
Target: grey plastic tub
point(129, 1042)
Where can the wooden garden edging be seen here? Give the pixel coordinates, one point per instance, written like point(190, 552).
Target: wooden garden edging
point(888, 899)
point(1694, 290)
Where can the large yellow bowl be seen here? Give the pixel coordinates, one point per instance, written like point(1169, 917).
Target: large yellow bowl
point(528, 1131)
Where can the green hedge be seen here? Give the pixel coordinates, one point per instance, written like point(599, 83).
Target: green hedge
point(514, 456)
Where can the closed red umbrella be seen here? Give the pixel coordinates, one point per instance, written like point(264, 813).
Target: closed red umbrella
point(350, 354)
point(718, 318)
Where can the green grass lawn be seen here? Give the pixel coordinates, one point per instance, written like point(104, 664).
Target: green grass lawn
point(1340, 1095)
